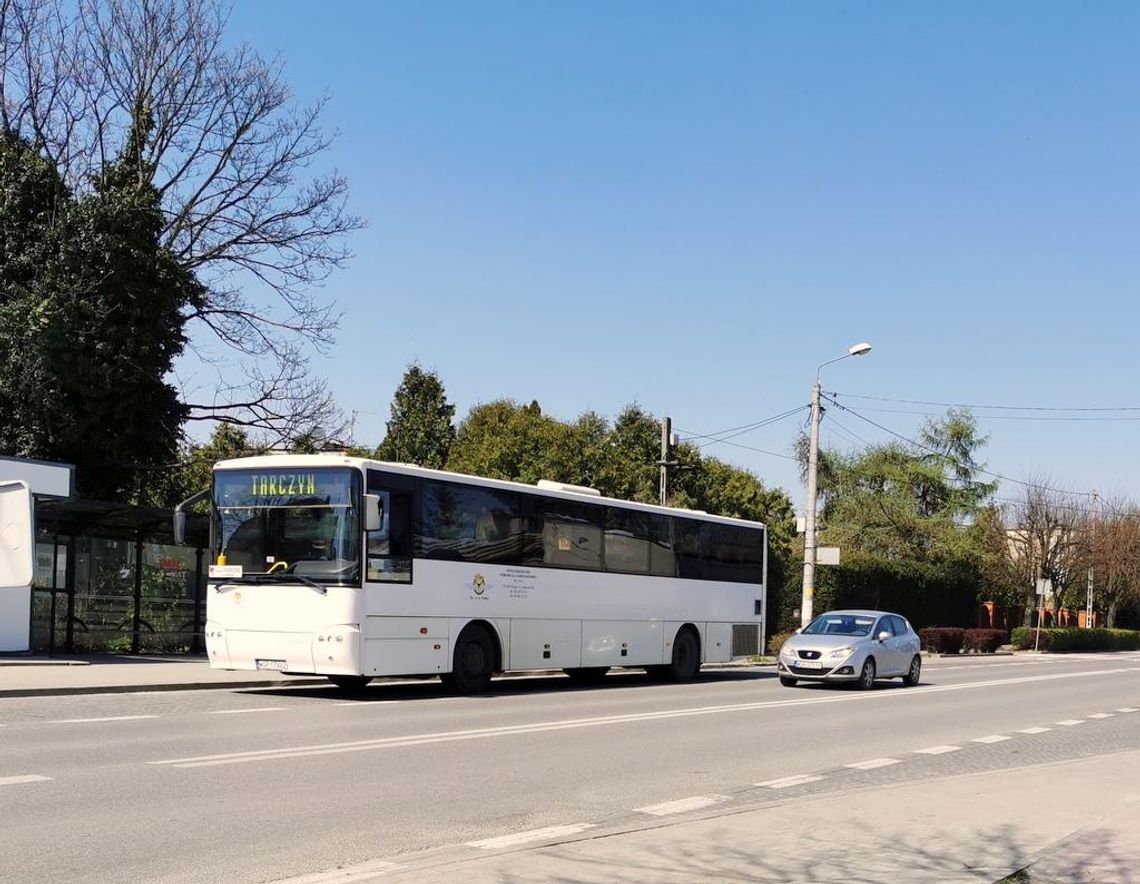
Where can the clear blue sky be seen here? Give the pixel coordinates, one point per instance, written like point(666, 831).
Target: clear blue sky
point(692, 205)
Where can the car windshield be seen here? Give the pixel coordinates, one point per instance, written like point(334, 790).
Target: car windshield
point(840, 624)
point(290, 522)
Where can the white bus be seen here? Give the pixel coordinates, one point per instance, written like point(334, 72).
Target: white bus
point(349, 568)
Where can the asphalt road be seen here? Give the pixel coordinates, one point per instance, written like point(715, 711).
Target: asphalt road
point(296, 783)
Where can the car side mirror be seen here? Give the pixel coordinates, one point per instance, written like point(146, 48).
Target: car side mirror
point(798, 631)
point(373, 512)
point(884, 635)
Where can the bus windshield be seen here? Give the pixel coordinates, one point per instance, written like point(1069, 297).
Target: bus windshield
point(303, 523)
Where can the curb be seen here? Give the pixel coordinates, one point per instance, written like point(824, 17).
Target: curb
point(147, 688)
point(72, 690)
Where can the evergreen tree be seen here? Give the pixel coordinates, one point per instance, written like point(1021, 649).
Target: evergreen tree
point(420, 430)
point(91, 320)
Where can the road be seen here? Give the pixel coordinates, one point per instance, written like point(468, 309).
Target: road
point(408, 783)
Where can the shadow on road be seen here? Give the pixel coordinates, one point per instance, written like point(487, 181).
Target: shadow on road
point(430, 688)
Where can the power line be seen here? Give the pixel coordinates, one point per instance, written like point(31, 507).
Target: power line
point(992, 407)
point(1006, 417)
point(733, 432)
point(971, 466)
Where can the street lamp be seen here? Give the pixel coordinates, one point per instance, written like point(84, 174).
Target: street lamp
point(860, 349)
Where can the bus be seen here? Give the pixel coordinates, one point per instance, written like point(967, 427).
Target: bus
point(326, 564)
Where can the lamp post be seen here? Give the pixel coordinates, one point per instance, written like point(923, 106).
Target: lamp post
point(860, 349)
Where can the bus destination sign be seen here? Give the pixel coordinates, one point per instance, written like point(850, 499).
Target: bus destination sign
point(283, 484)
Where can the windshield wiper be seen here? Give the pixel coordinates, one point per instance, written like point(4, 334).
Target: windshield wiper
point(279, 576)
point(276, 577)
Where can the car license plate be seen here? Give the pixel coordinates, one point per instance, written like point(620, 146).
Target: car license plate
point(810, 664)
point(279, 665)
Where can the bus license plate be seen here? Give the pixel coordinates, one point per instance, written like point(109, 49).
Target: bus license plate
point(279, 665)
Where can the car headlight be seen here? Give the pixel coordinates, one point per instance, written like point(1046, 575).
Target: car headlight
point(788, 652)
point(840, 653)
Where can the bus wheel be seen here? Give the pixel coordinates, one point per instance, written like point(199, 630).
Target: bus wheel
point(686, 656)
point(350, 682)
point(587, 674)
point(474, 661)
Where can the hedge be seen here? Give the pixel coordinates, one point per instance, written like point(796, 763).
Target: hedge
point(984, 641)
point(924, 594)
point(942, 639)
point(1071, 638)
point(777, 641)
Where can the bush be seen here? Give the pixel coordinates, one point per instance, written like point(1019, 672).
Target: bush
point(984, 641)
point(777, 641)
point(1071, 638)
point(942, 639)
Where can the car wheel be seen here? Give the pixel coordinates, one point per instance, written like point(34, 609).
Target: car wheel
point(867, 675)
point(787, 681)
point(914, 673)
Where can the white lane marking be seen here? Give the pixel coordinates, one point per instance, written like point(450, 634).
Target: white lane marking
point(1126, 709)
point(26, 778)
point(681, 805)
point(1034, 730)
point(1070, 722)
point(108, 718)
point(346, 874)
point(1101, 715)
point(238, 711)
point(873, 763)
point(548, 726)
point(785, 782)
point(993, 738)
point(937, 750)
point(547, 834)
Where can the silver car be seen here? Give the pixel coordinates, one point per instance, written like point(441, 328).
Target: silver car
point(852, 646)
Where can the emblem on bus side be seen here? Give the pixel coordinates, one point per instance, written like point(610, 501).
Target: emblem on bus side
point(479, 584)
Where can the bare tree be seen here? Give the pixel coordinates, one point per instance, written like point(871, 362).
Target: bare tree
point(1047, 542)
point(233, 155)
point(1114, 555)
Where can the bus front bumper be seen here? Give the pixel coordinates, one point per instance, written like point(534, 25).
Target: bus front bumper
point(329, 650)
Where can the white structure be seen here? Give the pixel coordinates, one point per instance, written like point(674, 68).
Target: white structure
point(351, 568)
point(43, 480)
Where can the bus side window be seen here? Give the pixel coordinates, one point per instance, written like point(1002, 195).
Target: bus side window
point(390, 548)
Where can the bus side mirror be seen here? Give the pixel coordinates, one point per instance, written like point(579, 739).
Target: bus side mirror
point(373, 512)
point(17, 545)
point(180, 515)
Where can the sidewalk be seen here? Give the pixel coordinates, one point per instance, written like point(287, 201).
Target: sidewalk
point(36, 676)
point(1071, 821)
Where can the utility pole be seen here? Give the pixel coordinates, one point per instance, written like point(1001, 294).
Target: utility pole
point(1092, 529)
point(666, 457)
point(860, 349)
point(809, 521)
